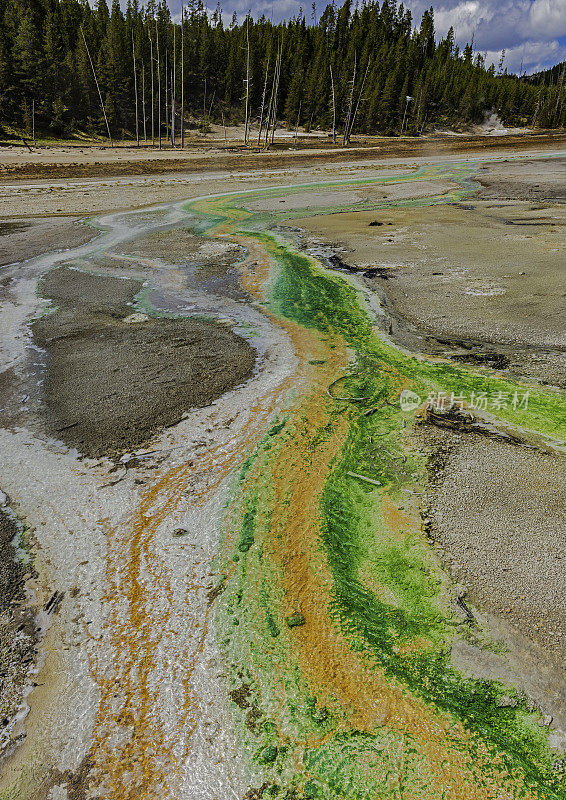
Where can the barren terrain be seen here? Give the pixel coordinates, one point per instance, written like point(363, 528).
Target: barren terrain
point(253, 569)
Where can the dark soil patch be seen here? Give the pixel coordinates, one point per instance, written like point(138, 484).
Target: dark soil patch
point(489, 359)
point(11, 571)
point(498, 189)
point(110, 385)
point(12, 227)
point(17, 634)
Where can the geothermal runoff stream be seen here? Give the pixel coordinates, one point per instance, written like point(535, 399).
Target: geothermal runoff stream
point(217, 461)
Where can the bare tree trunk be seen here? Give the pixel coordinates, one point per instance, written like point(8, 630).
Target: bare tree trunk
point(276, 98)
point(182, 75)
point(152, 94)
point(262, 104)
point(33, 120)
point(136, 91)
point(97, 87)
point(345, 138)
point(224, 126)
point(537, 107)
point(405, 113)
point(269, 110)
point(333, 107)
point(273, 116)
point(143, 105)
point(417, 109)
point(173, 85)
point(298, 120)
point(558, 95)
point(204, 108)
point(166, 95)
point(246, 126)
point(353, 121)
point(172, 127)
point(158, 88)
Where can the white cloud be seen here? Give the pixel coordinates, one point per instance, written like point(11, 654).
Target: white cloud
point(527, 29)
point(531, 56)
point(548, 17)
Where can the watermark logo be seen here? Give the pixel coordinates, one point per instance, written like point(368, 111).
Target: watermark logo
point(409, 400)
point(479, 401)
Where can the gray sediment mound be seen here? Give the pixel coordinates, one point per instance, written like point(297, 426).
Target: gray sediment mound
point(21, 240)
point(114, 379)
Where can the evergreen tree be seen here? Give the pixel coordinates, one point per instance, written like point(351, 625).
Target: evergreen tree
point(43, 58)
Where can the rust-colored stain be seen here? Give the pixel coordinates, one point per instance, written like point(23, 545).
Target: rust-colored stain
point(335, 673)
point(139, 747)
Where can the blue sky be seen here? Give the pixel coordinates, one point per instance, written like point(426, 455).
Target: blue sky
point(533, 32)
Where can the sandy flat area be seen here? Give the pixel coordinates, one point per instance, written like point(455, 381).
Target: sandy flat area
point(480, 271)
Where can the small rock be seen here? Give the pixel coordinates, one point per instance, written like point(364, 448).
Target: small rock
point(545, 721)
point(505, 701)
point(180, 532)
point(136, 317)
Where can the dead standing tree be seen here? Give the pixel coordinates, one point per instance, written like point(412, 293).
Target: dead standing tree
point(298, 121)
point(143, 105)
point(345, 139)
point(136, 91)
point(274, 126)
point(247, 83)
point(97, 87)
point(270, 107)
point(173, 85)
point(158, 85)
point(360, 98)
point(263, 103)
point(272, 114)
point(152, 93)
point(559, 97)
point(333, 106)
point(182, 75)
point(166, 92)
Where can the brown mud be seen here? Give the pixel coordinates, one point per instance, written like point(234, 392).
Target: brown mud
point(537, 180)
point(111, 384)
point(40, 165)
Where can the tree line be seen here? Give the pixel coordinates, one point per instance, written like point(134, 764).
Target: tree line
point(66, 67)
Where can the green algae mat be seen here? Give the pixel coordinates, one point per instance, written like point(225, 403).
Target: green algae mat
point(335, 618)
